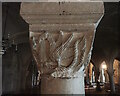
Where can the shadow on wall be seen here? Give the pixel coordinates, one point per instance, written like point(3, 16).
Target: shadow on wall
point(16, 76)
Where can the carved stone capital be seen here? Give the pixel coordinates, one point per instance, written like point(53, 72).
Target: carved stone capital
point(62, 53)
point(61, 37)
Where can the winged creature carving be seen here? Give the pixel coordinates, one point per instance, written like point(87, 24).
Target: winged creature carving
point(59, 54)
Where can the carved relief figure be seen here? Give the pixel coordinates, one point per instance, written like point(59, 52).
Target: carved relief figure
point(59, 54)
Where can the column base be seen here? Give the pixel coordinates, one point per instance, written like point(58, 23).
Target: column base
point(50, 85)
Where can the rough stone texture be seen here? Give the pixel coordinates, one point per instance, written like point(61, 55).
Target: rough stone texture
point(62, 13)
point(61, 37)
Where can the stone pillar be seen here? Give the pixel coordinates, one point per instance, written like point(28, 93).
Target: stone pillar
point(61, 37)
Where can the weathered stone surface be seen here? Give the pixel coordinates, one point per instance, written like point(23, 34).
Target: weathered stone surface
point(61, 37)
point(66, 86)
point(64, 13)
point(61, 51)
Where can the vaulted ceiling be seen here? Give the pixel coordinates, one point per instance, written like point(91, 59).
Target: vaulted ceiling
point(107, 38)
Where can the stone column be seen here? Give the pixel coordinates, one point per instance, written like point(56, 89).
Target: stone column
point(61, 37)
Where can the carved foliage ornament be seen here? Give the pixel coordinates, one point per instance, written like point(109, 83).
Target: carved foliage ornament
point(59, 54)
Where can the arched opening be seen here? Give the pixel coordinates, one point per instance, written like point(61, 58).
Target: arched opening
point(103, 78)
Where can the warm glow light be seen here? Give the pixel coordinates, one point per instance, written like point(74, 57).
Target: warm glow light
point(104, 66)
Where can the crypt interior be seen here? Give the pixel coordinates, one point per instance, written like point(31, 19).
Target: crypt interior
point(26, 33)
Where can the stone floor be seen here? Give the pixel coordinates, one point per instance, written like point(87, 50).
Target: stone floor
point(89, 91)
